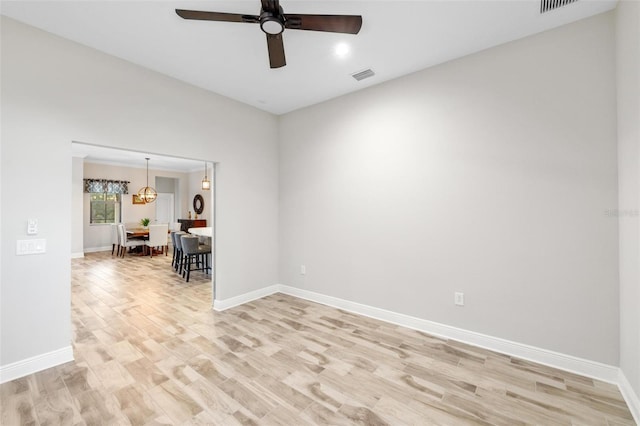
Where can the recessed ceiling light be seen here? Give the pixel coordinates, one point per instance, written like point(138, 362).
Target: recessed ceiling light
point(341, 50)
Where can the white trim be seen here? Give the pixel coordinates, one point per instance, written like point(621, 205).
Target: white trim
point(632, 399)
point(221, 305)
point(97, 249)
point(34, 364)
point(77, 255)
point(585, 367)
point(573, 364)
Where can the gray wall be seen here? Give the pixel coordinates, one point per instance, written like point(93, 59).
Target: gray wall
point(55, 91)
point(195, 188)
point(488, 175)
point(166, 185)
point(77, 207)
point(628, 61)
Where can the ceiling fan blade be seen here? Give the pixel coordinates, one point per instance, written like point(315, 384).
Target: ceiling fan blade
point(217, 16)
point(271, 6)
point(276, 50)
point(349, 24)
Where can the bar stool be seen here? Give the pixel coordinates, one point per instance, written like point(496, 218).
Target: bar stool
point(177, 248)
point(179, 256)
point(193, 254)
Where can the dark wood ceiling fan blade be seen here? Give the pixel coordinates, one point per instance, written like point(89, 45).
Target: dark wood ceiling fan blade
point(349, 24)
point(271, 5)
point(217, 16)
point(276, 50)
point(273, 21)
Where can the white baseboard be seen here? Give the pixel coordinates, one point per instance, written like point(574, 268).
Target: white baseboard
point(97, 249)
point(34, 364)
point(632, 398)
point(221, 305)
point(584, 367)
point(596, 370)
point(77, 255)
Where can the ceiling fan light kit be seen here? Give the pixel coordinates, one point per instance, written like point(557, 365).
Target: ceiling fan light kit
point(270, 24)
point(273, 22)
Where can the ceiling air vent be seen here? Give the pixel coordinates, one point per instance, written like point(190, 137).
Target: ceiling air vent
point(547, 5)
point(361, 75)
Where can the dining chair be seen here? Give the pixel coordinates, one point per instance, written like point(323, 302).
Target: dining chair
point(126, 243)
point(194, 254)
point(115, 239)
point(158, 238)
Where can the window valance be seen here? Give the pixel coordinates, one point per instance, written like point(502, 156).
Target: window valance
point(106, 186)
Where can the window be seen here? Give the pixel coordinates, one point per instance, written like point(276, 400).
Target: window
point(104, 207)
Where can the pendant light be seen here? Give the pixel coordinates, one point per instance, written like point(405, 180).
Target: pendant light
point(206, 183)
point(147, 194)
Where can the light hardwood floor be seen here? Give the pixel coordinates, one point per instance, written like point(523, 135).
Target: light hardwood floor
point(150, 350)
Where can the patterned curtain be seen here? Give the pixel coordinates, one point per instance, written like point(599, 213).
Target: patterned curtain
point(106, 186)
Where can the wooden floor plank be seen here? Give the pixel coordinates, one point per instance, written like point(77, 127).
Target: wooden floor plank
point(150, 350)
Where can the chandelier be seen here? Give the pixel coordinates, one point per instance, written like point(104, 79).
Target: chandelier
point(206, 183)
point(147, 194)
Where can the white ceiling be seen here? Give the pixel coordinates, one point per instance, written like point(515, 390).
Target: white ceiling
point(119, 157)
point(397, 38)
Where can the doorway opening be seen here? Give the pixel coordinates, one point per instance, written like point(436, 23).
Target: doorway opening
point(177, 181)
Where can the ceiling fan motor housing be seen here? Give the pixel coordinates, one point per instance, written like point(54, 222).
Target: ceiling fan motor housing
point(271, 23)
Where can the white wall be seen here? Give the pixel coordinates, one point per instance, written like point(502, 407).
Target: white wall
point(97, 236)
point(488, 175)
point(628, 73)
point(55, 91)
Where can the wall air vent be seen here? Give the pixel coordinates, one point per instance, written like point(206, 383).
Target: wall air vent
point(361, 75)
point(547, 5)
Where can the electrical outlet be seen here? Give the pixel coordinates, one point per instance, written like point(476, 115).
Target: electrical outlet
point(458, 299)
point(303, 269)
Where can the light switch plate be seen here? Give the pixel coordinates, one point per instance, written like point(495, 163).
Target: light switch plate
point(32, 226)
point(24, 247)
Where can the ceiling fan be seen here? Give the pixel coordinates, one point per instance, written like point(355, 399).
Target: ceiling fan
point(273, 22)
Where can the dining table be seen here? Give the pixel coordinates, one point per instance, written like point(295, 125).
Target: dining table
point(137, 232)
point(205, 231)
point(140, 234)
